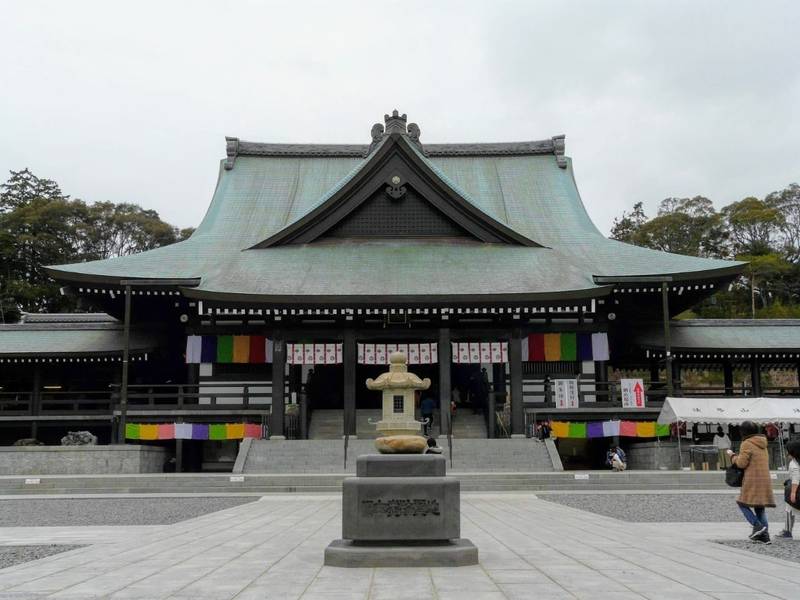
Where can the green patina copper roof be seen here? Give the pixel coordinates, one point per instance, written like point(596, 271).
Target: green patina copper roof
point(522, 188)
point(69, 339)
point(728, 335)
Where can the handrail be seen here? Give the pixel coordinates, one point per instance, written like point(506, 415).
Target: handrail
point(450, 437)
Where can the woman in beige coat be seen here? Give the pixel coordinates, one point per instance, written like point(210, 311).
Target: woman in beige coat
point(757, 484)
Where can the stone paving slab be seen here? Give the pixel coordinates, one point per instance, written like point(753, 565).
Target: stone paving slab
point(529, 548)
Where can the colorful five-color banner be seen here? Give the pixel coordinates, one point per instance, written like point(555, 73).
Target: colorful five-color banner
point(193, 431)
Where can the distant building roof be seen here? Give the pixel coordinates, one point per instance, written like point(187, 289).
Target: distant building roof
point(67, 318)
point(69, 335)
point(725, 335)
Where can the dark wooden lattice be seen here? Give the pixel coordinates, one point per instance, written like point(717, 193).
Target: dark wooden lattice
point(408, 216)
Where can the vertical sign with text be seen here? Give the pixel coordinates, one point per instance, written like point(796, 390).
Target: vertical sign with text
point(566, 393)
point(632, 391)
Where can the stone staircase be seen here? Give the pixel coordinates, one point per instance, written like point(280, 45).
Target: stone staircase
point(327, 456)
point(327, 424)
point(469, 426)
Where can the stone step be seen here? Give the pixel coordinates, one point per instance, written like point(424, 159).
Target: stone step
point(213, 484)
point(326, 456)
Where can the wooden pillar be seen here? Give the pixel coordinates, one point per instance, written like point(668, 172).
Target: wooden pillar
point(179, 456)
point(349, 356)
point(600, 375)
point(445, 354)
point(727, 375)
point(36, 399)
point(667, 337)
point(755, 376)
point(276, 428)
point(675, 371)
point(126, 342)
point(655, 373)
point(515, 370)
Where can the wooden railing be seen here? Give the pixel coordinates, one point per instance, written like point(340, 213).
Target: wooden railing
point(195, 397)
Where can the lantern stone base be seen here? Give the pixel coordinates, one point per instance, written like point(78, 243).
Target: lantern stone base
point(401, 511)
point(451, 553)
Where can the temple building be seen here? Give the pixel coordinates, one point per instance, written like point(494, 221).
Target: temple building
point(314, 262)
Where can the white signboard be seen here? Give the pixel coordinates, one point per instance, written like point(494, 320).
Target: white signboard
point(566, 393)
point(632, 393)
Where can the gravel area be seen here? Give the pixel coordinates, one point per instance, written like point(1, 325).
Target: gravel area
point(779, 548)
point(664, 508)
point(109, 511)
point(14, 555)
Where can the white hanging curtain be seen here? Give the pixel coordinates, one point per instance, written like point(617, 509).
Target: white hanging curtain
point(424, 353)
point(480, 352)
point(314, 354)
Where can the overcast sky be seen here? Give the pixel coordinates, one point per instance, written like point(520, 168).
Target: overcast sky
point(656, 99)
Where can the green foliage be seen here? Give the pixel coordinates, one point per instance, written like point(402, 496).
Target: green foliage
point(40, 226)
point(765, 233)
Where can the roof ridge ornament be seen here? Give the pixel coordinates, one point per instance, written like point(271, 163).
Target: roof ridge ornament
point(395, 123)
point(231, 151)
point(559, 148)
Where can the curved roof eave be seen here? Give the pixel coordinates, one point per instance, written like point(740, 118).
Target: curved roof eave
point(439, 299)
point(730, 271)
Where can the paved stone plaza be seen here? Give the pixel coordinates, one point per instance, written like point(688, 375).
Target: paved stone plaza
point(273, 548)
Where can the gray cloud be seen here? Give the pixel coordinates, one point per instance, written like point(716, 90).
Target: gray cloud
point(656, 98)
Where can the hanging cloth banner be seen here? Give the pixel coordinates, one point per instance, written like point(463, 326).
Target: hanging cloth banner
point(314, 354)
point(252, 349)
point(422, 353)
point(551, 347)
point(480, 352)
point(598, 429)
point(192, 431)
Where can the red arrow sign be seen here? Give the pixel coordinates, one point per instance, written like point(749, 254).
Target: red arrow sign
point(638, 393)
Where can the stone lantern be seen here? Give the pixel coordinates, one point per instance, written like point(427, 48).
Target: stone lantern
point(398, 387)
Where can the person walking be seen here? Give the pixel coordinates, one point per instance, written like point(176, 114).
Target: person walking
point(793, 450)
point(722, 443)
point(756, 492)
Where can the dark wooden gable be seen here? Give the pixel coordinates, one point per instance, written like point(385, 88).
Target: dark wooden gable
point(409, 215)
point(396, 193)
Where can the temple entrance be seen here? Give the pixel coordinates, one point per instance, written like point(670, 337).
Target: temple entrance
point(324, 387)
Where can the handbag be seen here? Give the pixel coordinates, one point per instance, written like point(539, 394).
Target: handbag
point(787, 493)
point(734, 476)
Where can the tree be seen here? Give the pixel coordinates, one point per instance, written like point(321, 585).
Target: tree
point(787, 203)
point(122, 229)
point(23, 187)
point(688, 226)
point(40, 225)
point(43, 230)
point(753, 225)
point(626, 228)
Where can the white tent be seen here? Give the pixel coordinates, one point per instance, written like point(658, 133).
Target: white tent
point(784, 410)
point(731, 411)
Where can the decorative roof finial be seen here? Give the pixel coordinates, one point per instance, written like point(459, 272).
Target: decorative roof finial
point(395, 123)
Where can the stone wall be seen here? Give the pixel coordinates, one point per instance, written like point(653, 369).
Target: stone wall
point(81, 460)
point(652, 456)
